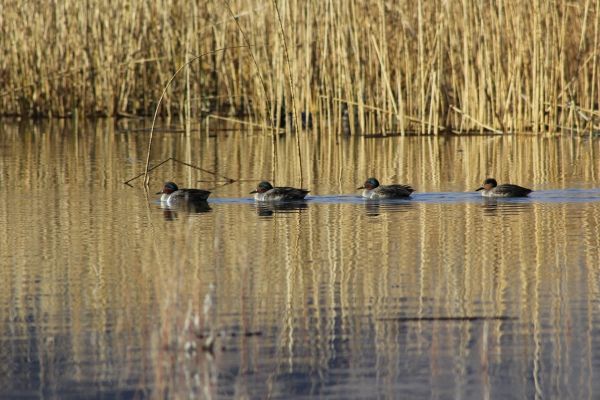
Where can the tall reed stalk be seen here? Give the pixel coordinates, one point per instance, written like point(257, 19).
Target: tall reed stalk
point(383, 66)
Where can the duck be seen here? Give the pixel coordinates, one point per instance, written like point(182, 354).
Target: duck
point(376, 191)
point(172, 195)
point(266, 192)
point(491, 189)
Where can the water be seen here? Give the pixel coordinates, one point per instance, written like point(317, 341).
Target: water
point(445, 295)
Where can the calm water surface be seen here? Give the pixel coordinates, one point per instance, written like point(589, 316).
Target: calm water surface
point(446, 295)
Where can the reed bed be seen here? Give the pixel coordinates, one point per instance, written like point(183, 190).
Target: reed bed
point(376, 66)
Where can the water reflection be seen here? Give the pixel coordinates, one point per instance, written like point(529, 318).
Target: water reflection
point(172, 212)
point(504, 207)
point(96, 304)
point(268, 209)
point(374, 208)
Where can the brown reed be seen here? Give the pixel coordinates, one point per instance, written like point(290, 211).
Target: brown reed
point(508, 67)
point(264, 88)
point(158, 107)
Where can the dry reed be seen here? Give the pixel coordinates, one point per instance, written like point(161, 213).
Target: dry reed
point(508, 67)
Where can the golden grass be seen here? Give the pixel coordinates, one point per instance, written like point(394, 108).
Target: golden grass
point(462, 66)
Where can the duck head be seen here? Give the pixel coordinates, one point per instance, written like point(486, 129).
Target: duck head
point(262, 188)
point(488, 184)
point(370, 184)
point(169, 188)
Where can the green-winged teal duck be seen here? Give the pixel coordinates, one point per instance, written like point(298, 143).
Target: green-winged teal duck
point(172, 195)
point(266, 192)
point(491, 189)
point(376, 191)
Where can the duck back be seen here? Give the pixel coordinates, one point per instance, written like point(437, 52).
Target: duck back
point(509, 190)
point(282, 194)
point(389, 192)
point(188, 196)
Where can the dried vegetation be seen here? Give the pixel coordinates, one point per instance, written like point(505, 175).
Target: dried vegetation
point(380, 66)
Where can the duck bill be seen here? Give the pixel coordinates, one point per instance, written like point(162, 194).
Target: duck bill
point(254, 191)
point(362, 187)
point(481, 188)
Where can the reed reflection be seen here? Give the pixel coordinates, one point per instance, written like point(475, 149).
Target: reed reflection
point(268, 209)
point(374, 208)
point(172, 212)
point(89, 294)
point(497, 207)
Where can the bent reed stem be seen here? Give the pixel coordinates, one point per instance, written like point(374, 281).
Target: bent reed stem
point(161, 98)
point(291, 83)
point(264, 88)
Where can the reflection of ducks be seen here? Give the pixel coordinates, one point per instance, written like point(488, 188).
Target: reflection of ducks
point(493, 207)
point(172, 195)
point(267, 209)
point(169, 215)
point(372, 208)
point(375, 208)
point(376, 191)
point(196, 207)
point(266, 192)
point(491, 189)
